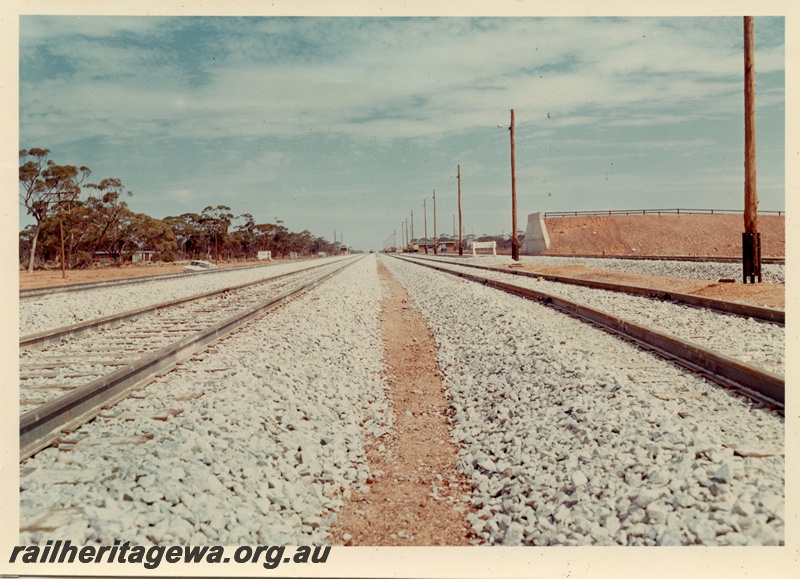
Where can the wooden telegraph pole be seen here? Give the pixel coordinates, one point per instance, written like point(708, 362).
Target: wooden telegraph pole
point(425, 211)
point(435, 249)
point(514, 240)
point(751, 238)
point(412, 231)
point(61, 232)
point(460, 227)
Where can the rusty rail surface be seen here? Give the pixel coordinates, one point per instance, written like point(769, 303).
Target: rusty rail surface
point(696, 259)
point(774, 315)
point(756, 383)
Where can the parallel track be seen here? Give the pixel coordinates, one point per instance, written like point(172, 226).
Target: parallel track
point(74, 330)
point(761, 385)
point(134, 361)
point(745, 310)
point(75, 287)
point(768, 260)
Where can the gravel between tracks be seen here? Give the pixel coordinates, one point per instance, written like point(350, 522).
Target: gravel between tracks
point(572, 437)
point(568, 435)
point(263, 438)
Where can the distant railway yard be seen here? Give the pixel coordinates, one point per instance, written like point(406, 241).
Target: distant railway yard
point(403, 400)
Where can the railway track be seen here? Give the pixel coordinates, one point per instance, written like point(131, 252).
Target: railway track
point(735, 308)
point(711, 259)
point(32, 293)
point(566, 435)
point(72, 330)
point(755, 382)
point(68, 375)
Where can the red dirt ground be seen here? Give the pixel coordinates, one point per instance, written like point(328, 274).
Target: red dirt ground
point(662, 235)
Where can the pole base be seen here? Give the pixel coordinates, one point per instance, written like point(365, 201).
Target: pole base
point(751, 257)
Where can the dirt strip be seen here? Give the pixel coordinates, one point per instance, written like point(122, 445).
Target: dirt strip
point(416, 496)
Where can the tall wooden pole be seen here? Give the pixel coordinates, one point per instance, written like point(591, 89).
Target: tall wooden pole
point(412, 230)
point(751, 239)
point(514, 240)
point(435, 249)
point(425, 210)
point(61, 232)
point(460, 227)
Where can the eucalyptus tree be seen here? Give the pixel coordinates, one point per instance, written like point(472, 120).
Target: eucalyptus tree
point(47, 188)
point(111, 217)
point(245, 235)
point(79, 229)
point(216, 221)
point(189, 236)
point(150, 233)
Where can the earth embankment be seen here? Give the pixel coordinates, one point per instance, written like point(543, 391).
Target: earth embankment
point(661, 235)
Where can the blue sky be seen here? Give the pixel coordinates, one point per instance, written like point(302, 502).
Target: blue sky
point(347, 124)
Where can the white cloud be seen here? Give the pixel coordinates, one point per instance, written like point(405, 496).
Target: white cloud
point(424, 78)
point(250, 105)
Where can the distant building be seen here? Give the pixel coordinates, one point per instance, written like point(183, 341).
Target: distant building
point(140, 255)
point(443, 247)
point(145, 255)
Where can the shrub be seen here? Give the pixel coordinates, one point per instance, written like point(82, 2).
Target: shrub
point(166, 256)
point(83, 259)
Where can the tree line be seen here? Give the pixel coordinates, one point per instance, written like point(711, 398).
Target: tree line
point(74, 232)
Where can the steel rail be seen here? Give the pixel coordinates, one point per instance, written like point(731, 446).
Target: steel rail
point(73, 287)
point(41, 426)
point(773, 315)
point(80, 328)
point(770, 260)
point(756, 383)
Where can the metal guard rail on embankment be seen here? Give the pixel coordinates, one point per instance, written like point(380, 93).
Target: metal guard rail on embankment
point(553, 214)
point(761, 385)
point(43, 425)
